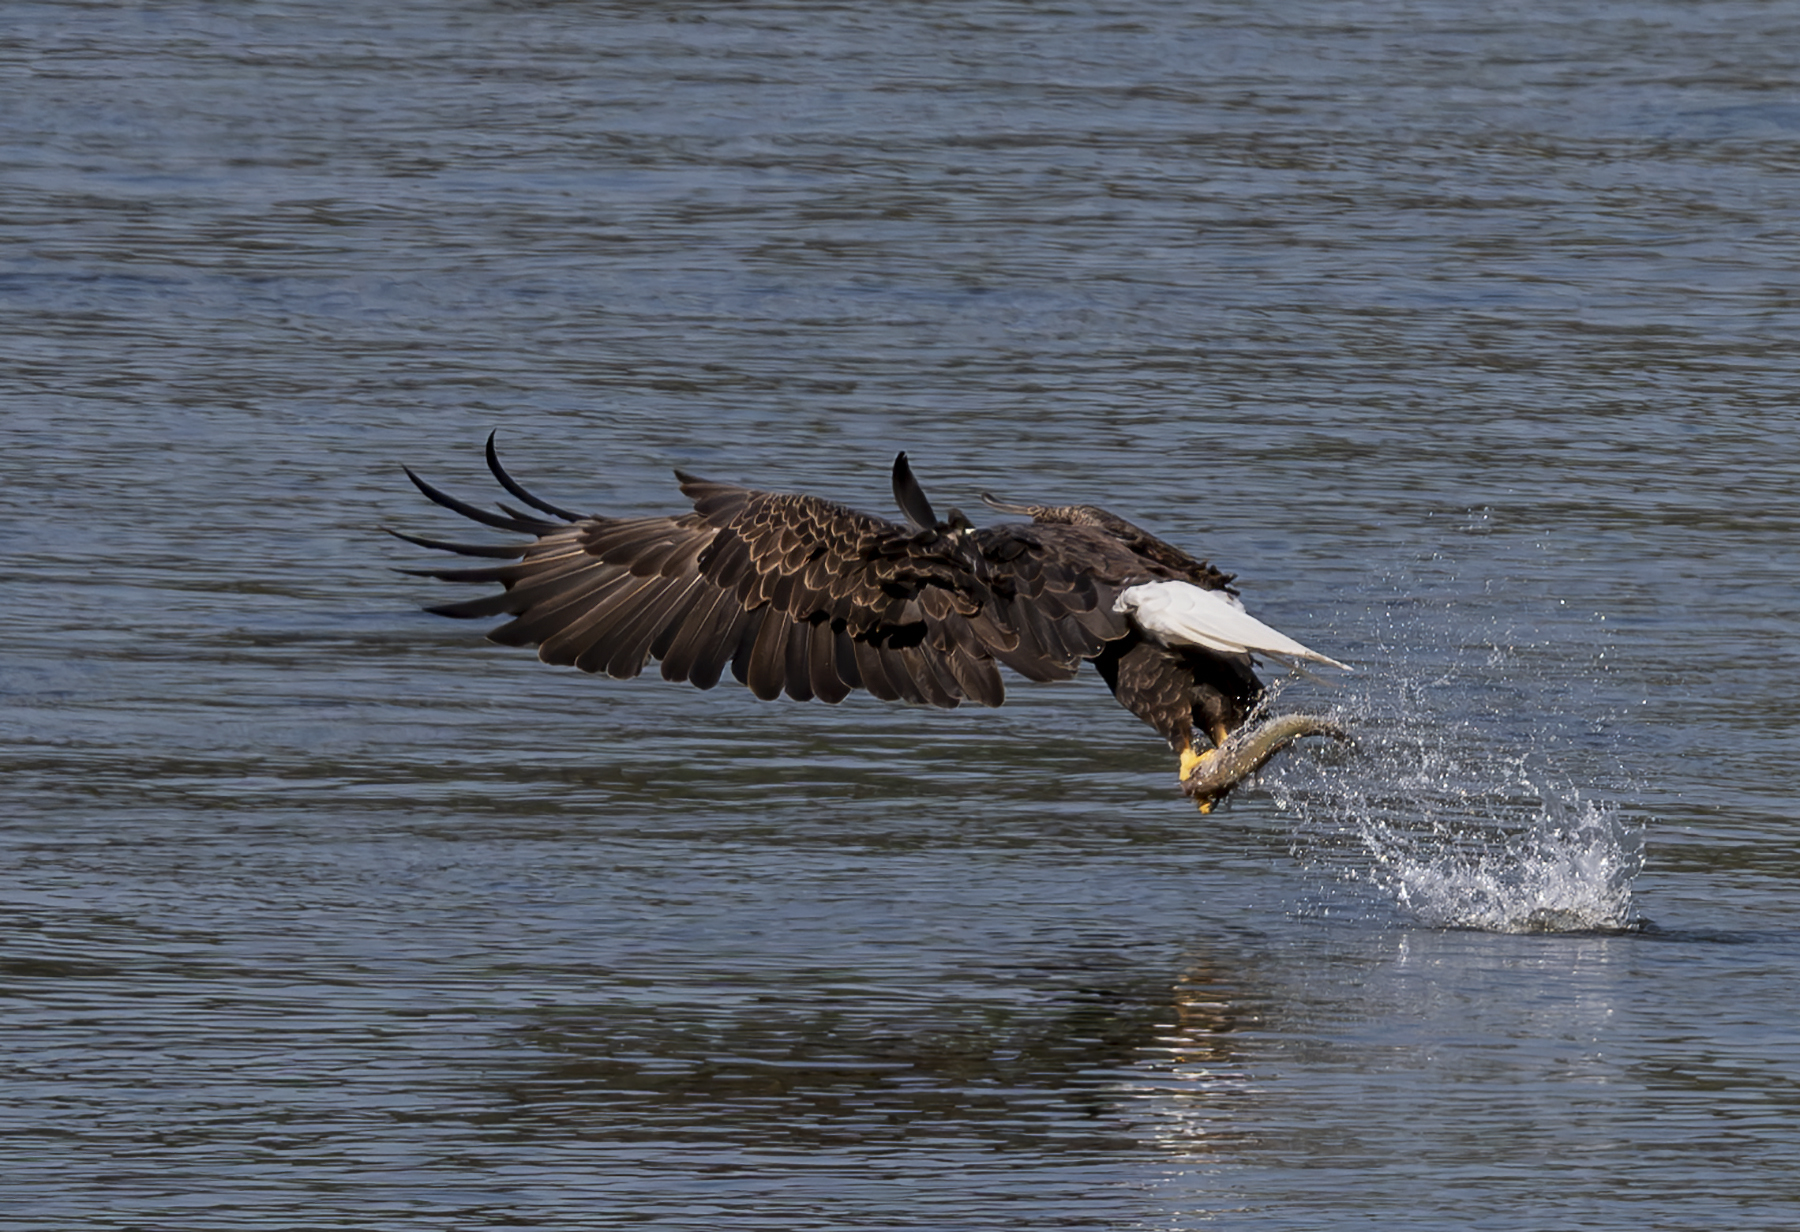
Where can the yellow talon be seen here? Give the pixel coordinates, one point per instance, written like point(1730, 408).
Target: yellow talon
point(1192, 761)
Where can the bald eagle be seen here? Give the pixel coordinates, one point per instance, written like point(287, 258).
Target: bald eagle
point(802, 596)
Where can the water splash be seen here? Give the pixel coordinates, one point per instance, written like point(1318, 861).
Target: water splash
point(1462, 835)
point(1460, 804)
point(1570, 871)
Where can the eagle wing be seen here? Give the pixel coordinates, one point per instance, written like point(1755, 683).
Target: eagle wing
point(793, 593)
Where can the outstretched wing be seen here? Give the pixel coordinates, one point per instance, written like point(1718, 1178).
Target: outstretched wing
point(793, 593)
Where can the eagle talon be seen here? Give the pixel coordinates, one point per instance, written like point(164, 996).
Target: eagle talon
point(1192, 761)
point(1192, 764)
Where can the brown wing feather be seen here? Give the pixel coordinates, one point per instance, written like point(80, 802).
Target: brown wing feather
point(872, 668)
point(732, 625)
point(629, 643)
point(843, 657)
point(766, 666)
point(701, 626)
point(799, 660)
point(900, 674)
point(824, 677)
point(548, 607)
point(541, 621)
point(1059, 581)
point(927, 671)
point(587, 636)
point(977, 678)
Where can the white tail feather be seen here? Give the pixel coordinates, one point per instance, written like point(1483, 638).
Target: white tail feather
point(1182, 614)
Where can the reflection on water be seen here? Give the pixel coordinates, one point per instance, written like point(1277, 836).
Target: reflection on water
point(846, 1064)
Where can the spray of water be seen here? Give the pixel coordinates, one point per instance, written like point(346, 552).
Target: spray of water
point(1461, 833)
point(1569, 870)
point(1460, 803)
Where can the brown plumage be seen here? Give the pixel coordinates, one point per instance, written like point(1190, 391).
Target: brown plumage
point(798, 595)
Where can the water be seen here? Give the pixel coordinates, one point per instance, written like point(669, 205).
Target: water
point(1465, 338)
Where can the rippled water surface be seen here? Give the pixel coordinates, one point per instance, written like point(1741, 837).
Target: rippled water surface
point(1465, 336)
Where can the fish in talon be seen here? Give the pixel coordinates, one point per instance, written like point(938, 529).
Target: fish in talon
point(1212, 774)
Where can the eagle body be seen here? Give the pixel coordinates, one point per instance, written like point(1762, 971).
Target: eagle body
point(798, 595)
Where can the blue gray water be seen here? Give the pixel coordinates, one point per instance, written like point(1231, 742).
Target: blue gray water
point(1465, 336)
